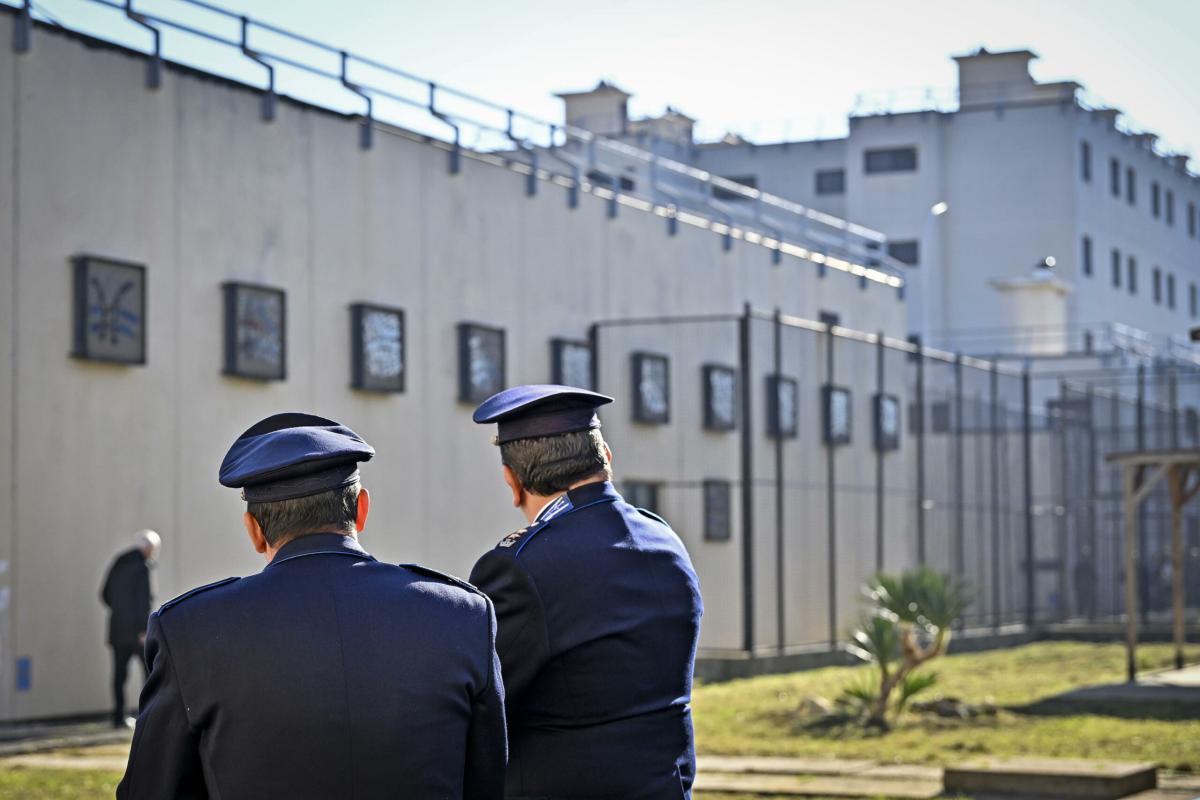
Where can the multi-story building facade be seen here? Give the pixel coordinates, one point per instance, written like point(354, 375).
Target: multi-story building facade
point(973, 193)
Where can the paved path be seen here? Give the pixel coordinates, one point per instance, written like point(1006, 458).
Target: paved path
point(755, 775)
point(837, 778)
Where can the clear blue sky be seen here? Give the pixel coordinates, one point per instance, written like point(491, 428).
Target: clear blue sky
point(758, 67)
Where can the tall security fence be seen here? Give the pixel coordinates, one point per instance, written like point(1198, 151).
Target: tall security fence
point(799, 458)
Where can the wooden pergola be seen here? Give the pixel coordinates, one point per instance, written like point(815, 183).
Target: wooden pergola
point(1142, 471)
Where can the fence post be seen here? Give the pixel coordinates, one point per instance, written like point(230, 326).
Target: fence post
point(1093, 534)
point(1027, 468)
point(1173, 399)
point(1060, 509)
point(780, 595)
point(960, 556)
point(831, 499)
point(22, 28)
point(747, 482)
point(1142, 528)
point(880, 352)
point(593, 336)
point(920, 427)
point(994, 446)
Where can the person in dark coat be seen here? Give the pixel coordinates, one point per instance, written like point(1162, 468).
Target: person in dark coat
point(126, 593)
point(599, 612)
point(329, 674)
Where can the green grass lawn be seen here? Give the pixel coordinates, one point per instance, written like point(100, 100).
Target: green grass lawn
point(759, 715)
point(57, 784)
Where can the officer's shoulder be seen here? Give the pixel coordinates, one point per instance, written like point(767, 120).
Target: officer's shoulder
point(511, 545)
point(198, 590)
point(442, 576)
point(651, 515)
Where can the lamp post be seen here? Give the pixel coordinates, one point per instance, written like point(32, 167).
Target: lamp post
point(925, 261)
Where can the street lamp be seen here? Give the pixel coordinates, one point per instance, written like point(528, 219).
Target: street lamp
point(926, 262)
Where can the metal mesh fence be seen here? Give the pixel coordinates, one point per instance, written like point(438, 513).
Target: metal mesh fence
point(797, 461)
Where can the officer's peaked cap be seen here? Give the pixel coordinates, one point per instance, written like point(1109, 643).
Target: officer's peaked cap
point(292, 455)
point(527, 412)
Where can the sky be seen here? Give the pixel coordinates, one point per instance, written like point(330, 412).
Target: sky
point(763, 68)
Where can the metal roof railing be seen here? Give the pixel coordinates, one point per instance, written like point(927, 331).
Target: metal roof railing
point(385, 98)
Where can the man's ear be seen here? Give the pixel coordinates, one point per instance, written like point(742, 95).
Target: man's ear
point(364, 505)
point(256, 532)
point(518, 491)
point(608, 454)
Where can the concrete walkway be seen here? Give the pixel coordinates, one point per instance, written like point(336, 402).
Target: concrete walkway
point(838, 778)
point(718, 775)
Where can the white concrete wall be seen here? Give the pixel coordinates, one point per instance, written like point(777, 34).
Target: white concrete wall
point(9, 168)
point(1112, 223)
point(187, 180)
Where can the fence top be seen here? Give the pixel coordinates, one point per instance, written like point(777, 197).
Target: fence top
point(827, 240)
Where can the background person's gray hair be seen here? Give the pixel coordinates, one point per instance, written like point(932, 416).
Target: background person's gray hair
point(548, 465)
point(147, 539)
point(150, 538)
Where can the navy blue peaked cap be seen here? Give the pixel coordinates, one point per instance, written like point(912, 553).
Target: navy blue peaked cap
point(293, 455)
point(527, 412)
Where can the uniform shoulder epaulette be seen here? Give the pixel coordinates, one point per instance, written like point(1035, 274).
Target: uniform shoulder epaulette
point(653, 516)
point(515, 540)
point(194, 592)
point(433, 573)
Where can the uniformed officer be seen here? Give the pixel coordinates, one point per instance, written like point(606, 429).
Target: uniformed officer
point(328, 674)
point(599, 611)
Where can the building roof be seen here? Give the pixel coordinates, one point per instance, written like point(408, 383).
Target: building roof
point(603, 87)
point(983, 52)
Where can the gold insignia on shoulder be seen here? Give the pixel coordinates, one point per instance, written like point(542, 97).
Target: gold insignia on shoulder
point(513, 538)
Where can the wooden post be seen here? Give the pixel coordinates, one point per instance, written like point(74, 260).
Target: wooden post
point(1178, 479)
point(1130, 508)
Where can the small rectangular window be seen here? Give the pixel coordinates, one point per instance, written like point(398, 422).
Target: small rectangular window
point(1130, 186)
point(1114, 177)
point(1085, 161)
point(1116, 268)
point(1170, 291)
point(641, 494)
point(831, 181)
point(718, 510)
point(1192, 300)
point(1191, 220)
point(1087, 255)
point(891, 159)
point(1170, 207)
point(1132, 275)
point(750, 181)
point(1156, 280)
point(1155, 200)
point(907, 252)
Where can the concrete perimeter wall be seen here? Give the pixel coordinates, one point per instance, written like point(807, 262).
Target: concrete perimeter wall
point(188, 181)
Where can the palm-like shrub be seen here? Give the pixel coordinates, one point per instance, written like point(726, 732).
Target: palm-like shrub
point(908, 625)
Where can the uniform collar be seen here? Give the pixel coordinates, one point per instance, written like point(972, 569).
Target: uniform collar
point(593, 493)
point(313, 543)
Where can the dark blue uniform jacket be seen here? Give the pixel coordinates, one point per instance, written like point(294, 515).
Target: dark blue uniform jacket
point(327, 675)
point(599, 612)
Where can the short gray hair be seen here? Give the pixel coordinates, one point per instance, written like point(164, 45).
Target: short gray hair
point(332, 511)
point(548, 465)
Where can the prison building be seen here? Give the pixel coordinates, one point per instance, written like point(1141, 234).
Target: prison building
point(974, 187)
point(186, 253)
